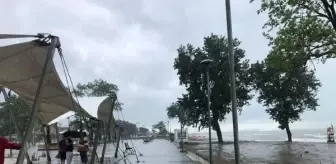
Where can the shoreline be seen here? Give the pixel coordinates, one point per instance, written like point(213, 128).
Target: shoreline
point(190, 142)
point(268, 152)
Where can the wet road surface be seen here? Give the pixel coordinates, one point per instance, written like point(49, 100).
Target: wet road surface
point(156, 152)
point(160, 152)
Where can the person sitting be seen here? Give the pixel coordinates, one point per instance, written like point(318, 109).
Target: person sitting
point(5, 144)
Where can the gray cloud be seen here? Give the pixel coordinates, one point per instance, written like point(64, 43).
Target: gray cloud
point(133, 44)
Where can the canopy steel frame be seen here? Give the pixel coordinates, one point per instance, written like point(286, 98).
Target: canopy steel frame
point(108, 127)
point(96, 130)
point(49, 56)
point(46, 140)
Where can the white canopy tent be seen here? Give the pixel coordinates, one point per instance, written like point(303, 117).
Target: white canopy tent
point(28, 69)
point(20, 70)
point(104, 110)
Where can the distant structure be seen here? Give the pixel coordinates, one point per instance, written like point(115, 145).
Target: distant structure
point(178, 137)
point(330, 132)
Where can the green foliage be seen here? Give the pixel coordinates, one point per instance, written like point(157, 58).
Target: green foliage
point(143, 130)
point(129, 128)
point(76, 124)
point(192, 75)
point(179, 110)
point(21, 111)
point(306, 29)
point(98, 88)
point(286, 95)
point(161, 127)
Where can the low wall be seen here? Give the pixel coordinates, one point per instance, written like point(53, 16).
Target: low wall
point(196, 158)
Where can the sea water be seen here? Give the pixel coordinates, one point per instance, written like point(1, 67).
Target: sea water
point(307, 135)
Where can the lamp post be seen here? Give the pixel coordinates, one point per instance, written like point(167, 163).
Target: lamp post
point(233, 83)
point(207, 63)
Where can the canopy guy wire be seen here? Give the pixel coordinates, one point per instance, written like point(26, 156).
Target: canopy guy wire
point(119, 149)
point(122, 115)
point(69, 79)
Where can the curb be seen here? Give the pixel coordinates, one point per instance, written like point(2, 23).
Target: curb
point(196, 158)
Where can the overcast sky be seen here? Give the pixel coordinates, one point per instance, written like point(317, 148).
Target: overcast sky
point(132, 43)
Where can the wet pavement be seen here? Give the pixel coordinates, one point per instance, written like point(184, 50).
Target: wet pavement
point(270, 153)
point(158, 151)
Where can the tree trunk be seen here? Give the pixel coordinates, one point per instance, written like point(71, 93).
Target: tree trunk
point(289, 133)
point(217, 128)
point(181, 138)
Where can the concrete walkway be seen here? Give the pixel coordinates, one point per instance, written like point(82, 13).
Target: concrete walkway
point(157, 152)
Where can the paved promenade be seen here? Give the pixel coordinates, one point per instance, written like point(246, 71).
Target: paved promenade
point(157, 152)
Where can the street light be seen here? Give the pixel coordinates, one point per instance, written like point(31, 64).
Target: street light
point(233, 83)
point(207, 63)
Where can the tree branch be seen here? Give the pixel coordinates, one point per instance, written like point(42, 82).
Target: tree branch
point(311, 8)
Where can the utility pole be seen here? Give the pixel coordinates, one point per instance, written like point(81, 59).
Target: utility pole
point(233, 82)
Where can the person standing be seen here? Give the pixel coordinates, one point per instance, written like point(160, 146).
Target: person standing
point(69, 150)
point(83, 148)
point(5, 144)
point(62, 146)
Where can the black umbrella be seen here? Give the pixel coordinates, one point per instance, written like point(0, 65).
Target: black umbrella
point(73, 134)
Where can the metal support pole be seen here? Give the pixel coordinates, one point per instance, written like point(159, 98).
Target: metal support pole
point(91, 139)
point(46, 142)
point(57, 132)
point(108, 129)
point(233, 82)
point(209, 113)
point(118, 141)
point(81, 129)
point(16, 125)
point(48, 134)
point(10, 135)
point(95, 144)
point(43, 79)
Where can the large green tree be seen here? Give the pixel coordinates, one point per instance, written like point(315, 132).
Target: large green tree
point(286, 95)
point(191, 75)
point(143, 130)
point(306, 29)
point(97, 88)
point(178, 110)
point(161, 127)
point(128, 128)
